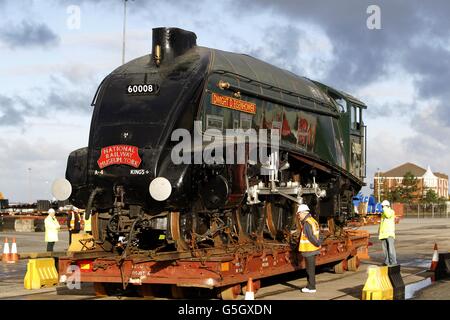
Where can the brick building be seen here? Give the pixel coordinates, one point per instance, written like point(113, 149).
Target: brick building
point(426, 179)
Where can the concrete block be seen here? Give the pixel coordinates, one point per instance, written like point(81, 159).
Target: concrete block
point(24, 225)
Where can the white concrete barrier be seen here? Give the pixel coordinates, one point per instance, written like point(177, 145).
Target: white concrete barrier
point(24, 225)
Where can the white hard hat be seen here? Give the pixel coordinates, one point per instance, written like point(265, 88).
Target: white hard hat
point(385, 203)
point(302, 208)
point(51, 210)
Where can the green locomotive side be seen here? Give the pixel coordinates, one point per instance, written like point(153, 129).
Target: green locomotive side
point(314, 120)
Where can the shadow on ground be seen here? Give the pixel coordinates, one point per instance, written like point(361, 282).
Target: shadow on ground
point(355, 292)
point(85, 290)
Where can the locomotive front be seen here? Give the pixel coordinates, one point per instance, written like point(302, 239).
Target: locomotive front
point(136, 108)
point(126, 169)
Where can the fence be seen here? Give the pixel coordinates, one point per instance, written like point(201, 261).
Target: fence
point(434, 210)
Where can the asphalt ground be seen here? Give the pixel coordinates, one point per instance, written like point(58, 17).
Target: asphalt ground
point(34, 241)
point(415, 239)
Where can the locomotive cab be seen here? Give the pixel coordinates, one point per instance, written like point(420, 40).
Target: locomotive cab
point(351, 122)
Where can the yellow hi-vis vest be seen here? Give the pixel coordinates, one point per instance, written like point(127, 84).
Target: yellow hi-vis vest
point(87, 223)
point(387, 224)
point(305, 244)
point(72, 221)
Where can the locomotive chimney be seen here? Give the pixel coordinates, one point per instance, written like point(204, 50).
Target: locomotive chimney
point(169, 43)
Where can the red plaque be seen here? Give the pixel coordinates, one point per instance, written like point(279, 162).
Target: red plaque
point(119, 154)
point(232, 103)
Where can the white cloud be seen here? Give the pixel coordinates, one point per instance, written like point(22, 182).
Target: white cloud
point(395, 87)
point(401, 126)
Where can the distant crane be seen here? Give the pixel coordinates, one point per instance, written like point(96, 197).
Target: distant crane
point(29, 186)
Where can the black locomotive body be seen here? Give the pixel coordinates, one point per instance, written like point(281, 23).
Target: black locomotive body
point(141, 197)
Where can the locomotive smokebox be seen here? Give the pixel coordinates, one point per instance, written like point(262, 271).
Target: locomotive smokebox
point(169, 43)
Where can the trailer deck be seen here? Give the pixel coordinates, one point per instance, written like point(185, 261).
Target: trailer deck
point(227, 269)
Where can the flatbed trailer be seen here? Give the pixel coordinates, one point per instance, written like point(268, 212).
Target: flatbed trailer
point(225, 270)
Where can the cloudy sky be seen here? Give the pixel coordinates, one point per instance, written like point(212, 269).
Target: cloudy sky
point(51, 64)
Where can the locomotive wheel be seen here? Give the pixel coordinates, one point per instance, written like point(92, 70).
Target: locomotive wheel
point(242, 237)
point(249, 220)
point(269, 221)
point(353, 263)
point(95, 226)
point(99, 229)
point(175, 231)
point(230, 293)
point(278, 219)
point(340, 267)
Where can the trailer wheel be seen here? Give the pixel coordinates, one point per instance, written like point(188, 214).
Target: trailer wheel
point(353, 263)
point(103, 289)
point(340, 267)
point(100, 289)
point(278, 218)
point(230, 293)
point(145, 291)
point(177, 292)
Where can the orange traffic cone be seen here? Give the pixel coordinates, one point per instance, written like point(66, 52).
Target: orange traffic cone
point(14, 257)
point(249, 292)
point(6, 256)
point(434, 261)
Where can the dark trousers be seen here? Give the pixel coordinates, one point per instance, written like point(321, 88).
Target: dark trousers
point(70, 236)
point(311, 271)
point(50, 246)
point(390, 256)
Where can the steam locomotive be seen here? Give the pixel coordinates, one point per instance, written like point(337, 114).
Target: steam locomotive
point(143, 198)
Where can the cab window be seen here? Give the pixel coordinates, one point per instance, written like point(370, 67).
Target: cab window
point(342, 105)
point(355, 117)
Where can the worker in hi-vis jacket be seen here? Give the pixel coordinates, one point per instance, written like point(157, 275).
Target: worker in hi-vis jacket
point(386, 234)
point(51, 230)
point(309, 245)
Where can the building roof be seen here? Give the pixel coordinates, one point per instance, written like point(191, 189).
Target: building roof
point(401, 170)
point(417, 171)
point(441, 175)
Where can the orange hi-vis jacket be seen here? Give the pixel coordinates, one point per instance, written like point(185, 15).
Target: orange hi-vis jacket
point(305, 244)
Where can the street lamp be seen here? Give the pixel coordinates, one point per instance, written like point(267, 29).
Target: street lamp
point(124, 28)
point(29, 186)
point(47, 187)
point(378, 183)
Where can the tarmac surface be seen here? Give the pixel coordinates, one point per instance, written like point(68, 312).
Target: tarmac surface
point(415, 239)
